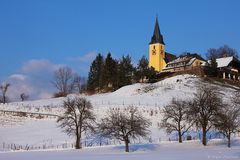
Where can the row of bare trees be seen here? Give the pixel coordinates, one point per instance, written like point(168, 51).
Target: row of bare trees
point(205, 111)
point(123, 125)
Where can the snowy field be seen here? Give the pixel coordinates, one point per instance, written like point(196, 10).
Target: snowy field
point(38, 133)
point(163, 151)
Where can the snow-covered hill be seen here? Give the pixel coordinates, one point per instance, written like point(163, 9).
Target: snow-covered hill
point(150, 98)
point(148, 95)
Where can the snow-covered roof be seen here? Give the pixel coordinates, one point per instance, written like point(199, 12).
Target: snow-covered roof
point(224, 62)
point(180, 62)
point(179, 59)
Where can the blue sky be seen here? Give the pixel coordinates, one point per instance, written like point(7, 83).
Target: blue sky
point(43, 34)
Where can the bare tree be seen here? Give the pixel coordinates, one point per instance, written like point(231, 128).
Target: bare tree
point(212, 53)
point(227, 121)
point(124, 125)
point(175, 118)
point(4, 88)
point(78, 117)
point(204, 106)
point(223, 51)
point(64, 80)
point(84, 84)
point(24, 96)
point(77, 83)
point(226, 51)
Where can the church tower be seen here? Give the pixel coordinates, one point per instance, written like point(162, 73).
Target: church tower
point(157, 50)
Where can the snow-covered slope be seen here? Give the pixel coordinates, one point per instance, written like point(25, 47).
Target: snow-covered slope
point(153, 95)
point(150, 98)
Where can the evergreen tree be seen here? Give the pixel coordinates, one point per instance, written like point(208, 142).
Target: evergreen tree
point(213, 66)
point(142, 69)
point(125, 71)
point(95, 75)
point(110, 71)
point(152, 75)
point(212, 55)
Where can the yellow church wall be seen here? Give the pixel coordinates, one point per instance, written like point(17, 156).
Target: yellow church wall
point(156, 56)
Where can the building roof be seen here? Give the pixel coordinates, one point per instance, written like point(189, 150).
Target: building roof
point(187, 57)
point(169, 57)
point(157, 36)
point(195, 55)
point(224, 62)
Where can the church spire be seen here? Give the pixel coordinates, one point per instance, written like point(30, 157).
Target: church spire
point(157, 36)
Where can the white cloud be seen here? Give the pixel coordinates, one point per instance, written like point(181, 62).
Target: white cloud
point(44, 95)
point(88, 57)
point(39, 65)
point(33, 79)
point(19, 84)
point(83, 62)
point(20, 77)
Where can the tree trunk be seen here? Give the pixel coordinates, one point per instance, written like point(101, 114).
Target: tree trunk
point(126, 145)
point(78, 144)
point(179, 137)
point(229, 140)
point(4, 99)
point(204, 136)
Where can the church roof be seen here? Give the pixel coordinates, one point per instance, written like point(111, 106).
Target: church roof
point(193, 55)
point(157, 36)
point(169, 57)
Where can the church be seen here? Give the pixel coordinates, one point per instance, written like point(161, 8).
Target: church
point(163, 61)
point(158, 57)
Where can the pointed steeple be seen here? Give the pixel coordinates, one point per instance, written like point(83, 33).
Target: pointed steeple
point(157, 36)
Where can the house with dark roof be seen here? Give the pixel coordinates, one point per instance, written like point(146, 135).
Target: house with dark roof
point(185, 62)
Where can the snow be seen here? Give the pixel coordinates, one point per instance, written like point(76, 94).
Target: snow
point(146, 95)
point(44, 133)
point(163, 151)
point(33, 133)
point(223, 62)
